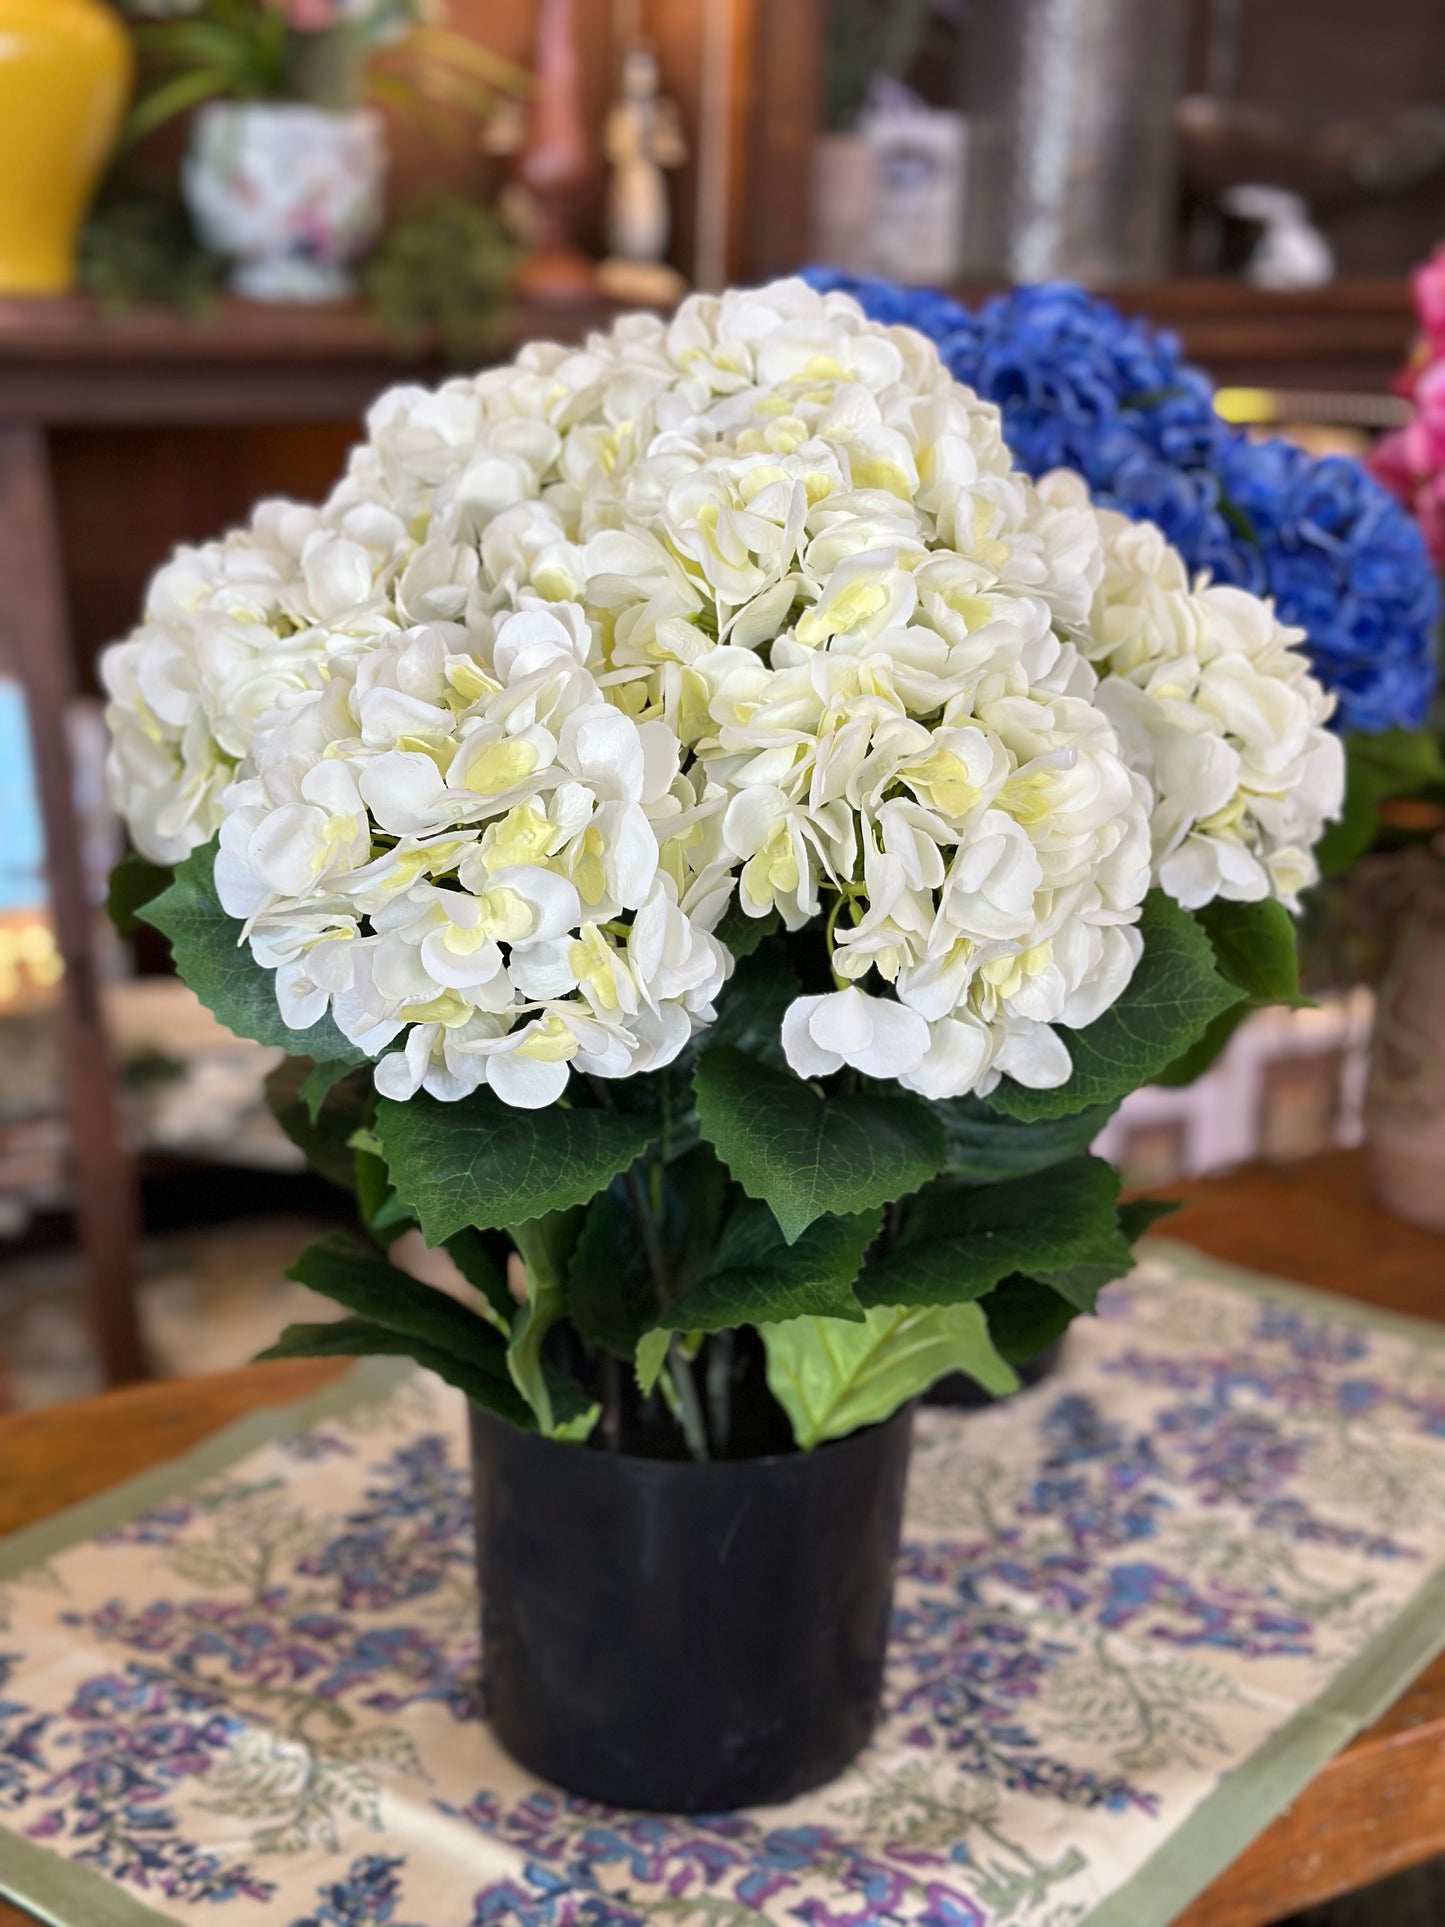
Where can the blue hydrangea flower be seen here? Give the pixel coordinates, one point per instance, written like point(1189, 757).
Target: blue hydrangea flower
point(1081, 387)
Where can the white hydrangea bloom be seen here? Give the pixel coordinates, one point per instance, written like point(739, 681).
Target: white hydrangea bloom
point(747, 605)
point(1215, 705)
point(230, 630)
point(459, 837)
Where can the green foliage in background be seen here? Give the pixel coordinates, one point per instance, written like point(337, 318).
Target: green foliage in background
point(138, 249)
point(202, 50)
point(1379, 769)
point(444, 266)
point(869, 40)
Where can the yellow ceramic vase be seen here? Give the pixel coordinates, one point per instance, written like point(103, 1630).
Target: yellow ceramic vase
point(65, 77)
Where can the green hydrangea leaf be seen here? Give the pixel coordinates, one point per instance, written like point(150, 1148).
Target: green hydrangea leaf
point(611, 1294)
point(1205, 1052)
point(384, 1297)
point(985, 1147)
point(756, 1277)
point(652, 1350)
point(753, 1003)
point(1080, 1284)
point(1397, 762)
point(957, 1241)
point(833, 1377)
point(134, 883)
point(320, 1081)
point(741, 934)
point(482, 1163)
point(373, 1289)
point(325, 1136)
point(1174, 995)
point(1025, 1316)
point(665, 1099)
point(207, 950)
point(1256, 949)
point(809, 1156)
point(1140, 1215)
point(382, 1212)
point(359, 1338)
point(558, 1404)
point(468, 1252)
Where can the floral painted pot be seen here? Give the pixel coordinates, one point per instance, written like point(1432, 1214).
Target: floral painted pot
point(65, 73)
point(292, 195)
point(686, 1638)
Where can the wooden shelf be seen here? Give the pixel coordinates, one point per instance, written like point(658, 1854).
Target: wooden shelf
point(65, 363)
point(1351, 337)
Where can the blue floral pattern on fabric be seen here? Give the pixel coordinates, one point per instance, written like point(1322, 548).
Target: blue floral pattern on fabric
point(365, 1896)
point(259, 1699)
point(1083, 387)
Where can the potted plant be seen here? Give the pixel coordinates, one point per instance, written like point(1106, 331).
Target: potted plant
point(285, 173)
point(716, 841)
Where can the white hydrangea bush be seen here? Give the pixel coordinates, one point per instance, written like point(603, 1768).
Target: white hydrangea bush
point(743, 612)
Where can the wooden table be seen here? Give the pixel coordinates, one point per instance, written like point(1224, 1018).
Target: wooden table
point(1377, 1808)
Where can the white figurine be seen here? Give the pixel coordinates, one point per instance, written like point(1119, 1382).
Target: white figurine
point(1290, 252)
point(643, 137)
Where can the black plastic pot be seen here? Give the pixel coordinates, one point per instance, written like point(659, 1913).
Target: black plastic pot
point(686, 1638)
point(959, 1392)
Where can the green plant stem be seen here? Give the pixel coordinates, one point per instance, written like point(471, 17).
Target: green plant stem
point(892, 1225)
point(720, 1351)
point(647, 1231)
point(327, 68)
point(689, 1407)
point(848, 894)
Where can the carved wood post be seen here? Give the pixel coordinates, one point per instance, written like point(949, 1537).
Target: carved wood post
point(37, 642)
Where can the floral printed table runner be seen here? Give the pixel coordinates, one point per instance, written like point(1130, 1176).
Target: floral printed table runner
point(1139, 1607)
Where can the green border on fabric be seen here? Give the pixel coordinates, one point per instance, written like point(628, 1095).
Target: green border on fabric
point(1258, 1790)
point(1338, 1308)
point(1227, 1821)
point(1254, 1794)
point(60, 1893)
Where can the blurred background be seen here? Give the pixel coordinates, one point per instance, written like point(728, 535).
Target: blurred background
point(238, 221)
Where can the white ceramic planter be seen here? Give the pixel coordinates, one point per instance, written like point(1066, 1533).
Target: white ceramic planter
point(291, 195)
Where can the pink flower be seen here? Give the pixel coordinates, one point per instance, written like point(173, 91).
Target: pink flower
point(1389, 463)
point(1412, 458)
point(1430, 513)
point(311, 16)
point(1410, 461)
point(1423, 447)
point(1430, 394)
